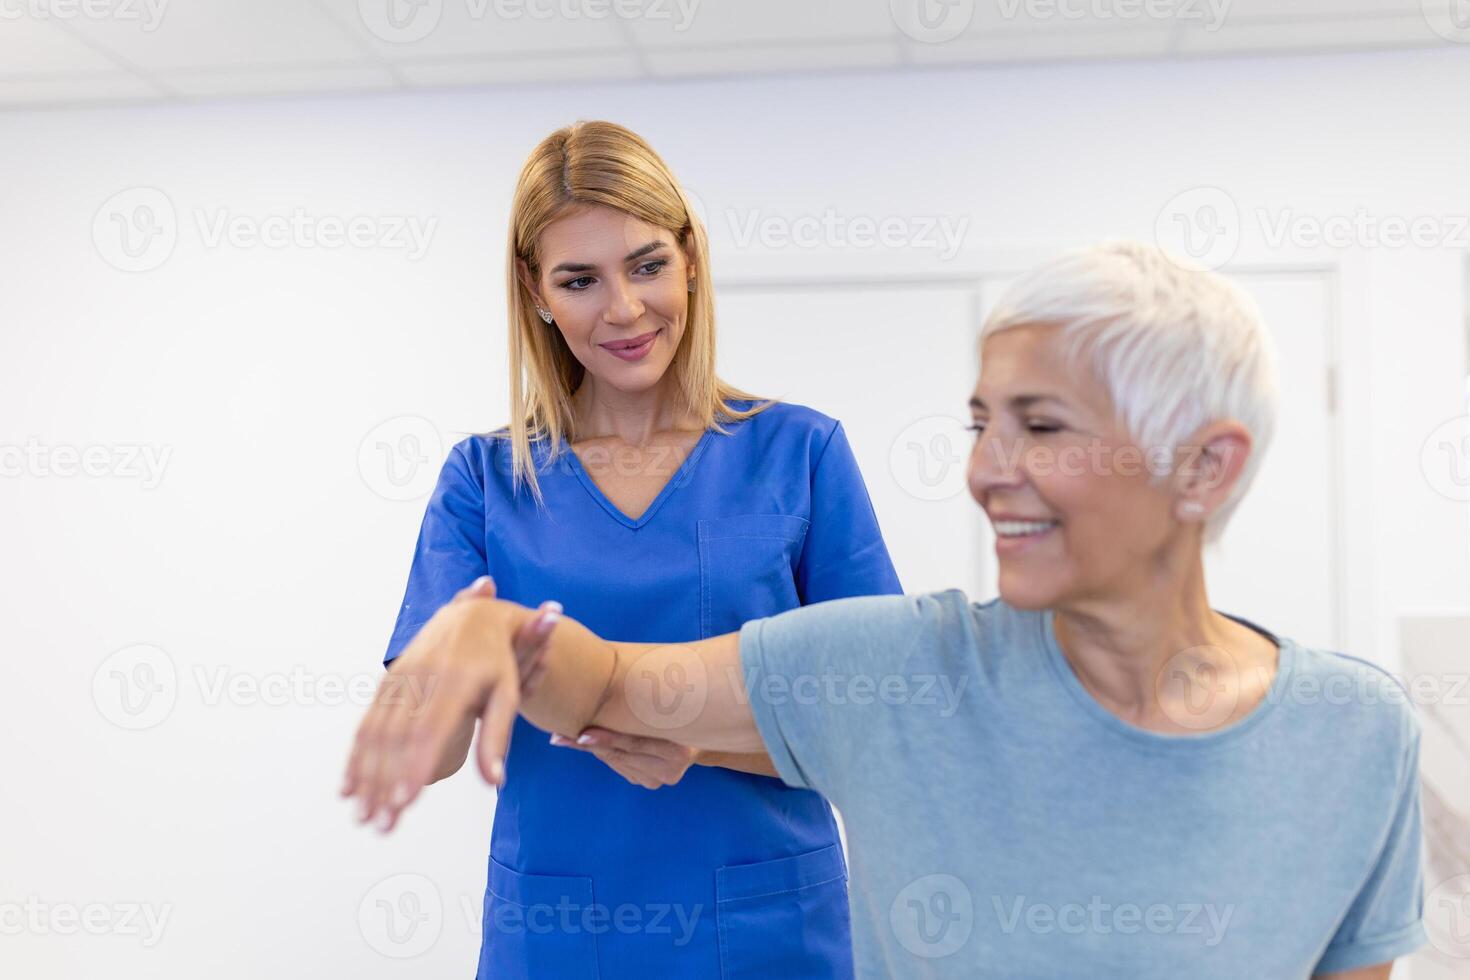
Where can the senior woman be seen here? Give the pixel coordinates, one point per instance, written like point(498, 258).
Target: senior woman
point(656, 502)
point(1122, 782)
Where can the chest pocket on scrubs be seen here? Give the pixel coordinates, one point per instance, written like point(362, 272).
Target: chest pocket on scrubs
point(747, 569)
point(536, 926)
point(785, 918)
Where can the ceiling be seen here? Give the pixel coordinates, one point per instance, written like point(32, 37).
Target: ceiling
point(83, 52)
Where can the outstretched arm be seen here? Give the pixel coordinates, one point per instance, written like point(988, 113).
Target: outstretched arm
point(463, 664)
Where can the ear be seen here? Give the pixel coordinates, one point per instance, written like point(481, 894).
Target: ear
point(1211, 463)
point(523, 272)
point(689, 252)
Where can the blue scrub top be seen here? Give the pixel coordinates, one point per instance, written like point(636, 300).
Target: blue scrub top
point(725, 874)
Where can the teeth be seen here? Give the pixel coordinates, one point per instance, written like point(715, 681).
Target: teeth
point(1010, 529)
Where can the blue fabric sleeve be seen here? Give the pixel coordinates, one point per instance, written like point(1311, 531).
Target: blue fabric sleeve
point(1386, 920)
point(450, 553)
point(845, 688)
point(844, 554)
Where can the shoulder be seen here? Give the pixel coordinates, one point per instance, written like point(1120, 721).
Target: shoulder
point(1363, 710)
point(786, 427)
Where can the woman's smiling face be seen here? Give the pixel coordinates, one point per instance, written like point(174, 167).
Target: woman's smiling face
point(1051, 457)
point(617, 289)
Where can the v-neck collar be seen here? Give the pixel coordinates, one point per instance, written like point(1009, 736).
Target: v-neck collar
point(680, 477)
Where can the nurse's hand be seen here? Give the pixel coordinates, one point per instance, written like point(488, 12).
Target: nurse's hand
point(453, 671)
point(646, 762)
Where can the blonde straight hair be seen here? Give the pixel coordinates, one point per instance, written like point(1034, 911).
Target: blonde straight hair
point(599, 163)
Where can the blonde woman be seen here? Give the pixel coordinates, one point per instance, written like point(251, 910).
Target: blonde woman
point(659, 504)
point(1096, 774)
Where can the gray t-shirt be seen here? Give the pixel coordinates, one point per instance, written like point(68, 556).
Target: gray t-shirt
point(1002, 823)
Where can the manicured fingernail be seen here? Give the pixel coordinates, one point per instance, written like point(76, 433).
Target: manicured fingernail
point(497, 771)
point(362, 810)
point(584, 739)
point(550, 613)
point(557, 739)
point(400, 795)
point(479, 581)
point(384, 819)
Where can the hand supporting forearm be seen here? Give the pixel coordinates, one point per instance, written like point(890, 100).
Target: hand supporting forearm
point(756, 763)
point(691, 693)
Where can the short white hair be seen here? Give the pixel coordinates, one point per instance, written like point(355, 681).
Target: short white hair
point(1176, 345)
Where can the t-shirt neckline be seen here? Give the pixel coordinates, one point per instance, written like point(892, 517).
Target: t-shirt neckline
point(1067, 677)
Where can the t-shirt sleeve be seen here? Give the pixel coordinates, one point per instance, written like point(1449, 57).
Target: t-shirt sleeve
point(1386, 920)
point(844, 554)
point(450, 553)
point(843, 689)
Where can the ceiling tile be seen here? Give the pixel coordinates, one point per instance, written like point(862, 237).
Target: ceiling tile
point(499, 71)
point(28, 46)
point(677, 23)
point(278, 81)
point(1375, 32)
point(398, 30)
point(770, 58)
point(115, 86)
point(217, 34)
point(1070, 45)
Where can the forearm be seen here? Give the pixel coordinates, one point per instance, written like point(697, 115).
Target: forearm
point(691, 693)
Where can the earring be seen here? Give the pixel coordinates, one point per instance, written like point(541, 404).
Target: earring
point(1192, 507)
point(544, 314)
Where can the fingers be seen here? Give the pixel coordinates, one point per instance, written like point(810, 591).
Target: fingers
point(532, 641)
point(481, 588)
point(495, 726)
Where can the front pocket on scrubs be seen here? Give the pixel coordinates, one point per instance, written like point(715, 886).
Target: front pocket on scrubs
point(785, 918)
point(537, 926)
point(747, 569)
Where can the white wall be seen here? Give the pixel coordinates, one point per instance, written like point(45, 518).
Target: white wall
point(268, 553)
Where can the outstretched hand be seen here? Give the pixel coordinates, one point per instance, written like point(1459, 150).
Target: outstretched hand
point(459, 666)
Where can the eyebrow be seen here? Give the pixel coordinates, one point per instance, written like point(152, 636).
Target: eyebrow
point(1018, 401)
point(637, 253)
